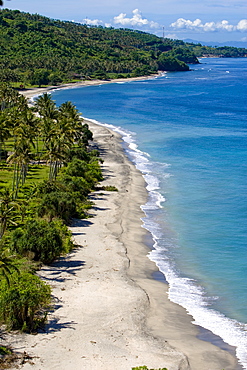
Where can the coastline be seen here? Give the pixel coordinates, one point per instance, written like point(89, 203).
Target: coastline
point(30, 93)
point(139, 319)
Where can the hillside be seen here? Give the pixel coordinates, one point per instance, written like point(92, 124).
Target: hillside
point(38, 50)
point(218, 51)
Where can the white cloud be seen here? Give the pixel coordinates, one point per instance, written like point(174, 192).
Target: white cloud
point(92, 22)
point(171, 36)
point(95, 22)
point(197, 25)
point(136, 20)
point(242, 25)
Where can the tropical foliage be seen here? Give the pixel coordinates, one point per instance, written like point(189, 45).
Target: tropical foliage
point(22, 303)
point(220, 51)
point(146, 368)
point(37, 50)
point(46, 174)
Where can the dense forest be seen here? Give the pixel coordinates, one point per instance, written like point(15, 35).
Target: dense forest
point(37, 50)
point(220, 51)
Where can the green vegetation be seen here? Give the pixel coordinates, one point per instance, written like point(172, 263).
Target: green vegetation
point(37, 239)
point(36, 50)
point(109, 188)
point(222, 51)
point(22, 304)
point(46, 174)
point(146, 368)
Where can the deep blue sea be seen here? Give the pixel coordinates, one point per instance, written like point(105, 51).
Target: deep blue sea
point(187, 133)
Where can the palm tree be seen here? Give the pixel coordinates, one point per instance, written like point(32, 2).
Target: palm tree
point(45, 106)
point(55, 155)
point(8, 96)
point(21, 103)
point(7, 266)
point(4, 131)
point(25, 127)
point(68, 109)
point(7, 211)
point(69, 112)
point(21, 158)
point(24, 132)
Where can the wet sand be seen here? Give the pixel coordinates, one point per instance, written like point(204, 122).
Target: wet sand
point(109, 312)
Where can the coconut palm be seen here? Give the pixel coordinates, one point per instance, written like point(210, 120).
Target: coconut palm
point(46, 107)
point(8, 96)
point(24, 132)
point(7, 266)
point(21, 103)
point(4, 131)
point(55, 155)
point(68, 110)
point(25, 127)
point(20, 158)
point(7, 211)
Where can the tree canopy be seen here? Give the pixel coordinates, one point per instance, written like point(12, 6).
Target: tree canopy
point(39, 50)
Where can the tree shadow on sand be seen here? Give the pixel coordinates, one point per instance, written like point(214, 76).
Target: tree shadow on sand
point(55, 325)
point(80, 223)
point(71, 267)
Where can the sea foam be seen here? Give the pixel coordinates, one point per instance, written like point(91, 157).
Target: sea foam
point(182, 290)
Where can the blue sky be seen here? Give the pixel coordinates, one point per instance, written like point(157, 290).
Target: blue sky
point(203, 20)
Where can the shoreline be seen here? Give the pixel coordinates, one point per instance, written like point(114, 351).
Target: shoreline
point(153, 328)
point(31, 93)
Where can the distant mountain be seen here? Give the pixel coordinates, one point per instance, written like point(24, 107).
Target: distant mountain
point(236, 44)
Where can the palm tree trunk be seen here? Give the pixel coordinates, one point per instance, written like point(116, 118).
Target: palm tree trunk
point(18, 180)
point(51, 170)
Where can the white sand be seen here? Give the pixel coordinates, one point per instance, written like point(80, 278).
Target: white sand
point(29, 93)
point(109, 313)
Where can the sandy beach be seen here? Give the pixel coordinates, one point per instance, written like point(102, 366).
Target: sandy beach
point(29, 93)
point(109, 312)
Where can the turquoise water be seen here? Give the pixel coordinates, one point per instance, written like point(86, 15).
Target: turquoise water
point(186, 132)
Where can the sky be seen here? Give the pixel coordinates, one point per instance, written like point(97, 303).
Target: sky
point(200, 20)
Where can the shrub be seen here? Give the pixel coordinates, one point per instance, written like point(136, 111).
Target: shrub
point(76, 167)
point(47, 186)
point(57, 204)
point(146, 368)
point(77, 185)
point(23, 303)
point(94, 173)
point(78, 152)
point(39, 240)
point(81, 177)
point(65, 235)
point(109, 188)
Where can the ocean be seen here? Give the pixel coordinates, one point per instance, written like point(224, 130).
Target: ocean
point(187, 133)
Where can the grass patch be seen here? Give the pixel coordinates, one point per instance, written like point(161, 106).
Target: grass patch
point(146, 368)
point(5, 351)
point(107, 188)
point(36, 174)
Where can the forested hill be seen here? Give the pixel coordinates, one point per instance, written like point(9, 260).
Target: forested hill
point(219, 51)
point(38, 50)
